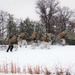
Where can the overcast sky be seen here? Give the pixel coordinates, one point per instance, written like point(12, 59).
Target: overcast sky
point(26, 8)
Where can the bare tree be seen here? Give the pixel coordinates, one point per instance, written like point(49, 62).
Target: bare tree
point(63, 18)
point(3, 22)
point(3, 19)
point(47, 9)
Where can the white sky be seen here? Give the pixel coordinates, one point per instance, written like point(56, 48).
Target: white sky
point(68, 3)
point(26, 8)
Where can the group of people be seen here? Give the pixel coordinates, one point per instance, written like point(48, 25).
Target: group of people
point(16, 40)
point(21, 40)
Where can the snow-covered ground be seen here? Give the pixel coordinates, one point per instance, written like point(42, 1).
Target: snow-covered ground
point(56, 56)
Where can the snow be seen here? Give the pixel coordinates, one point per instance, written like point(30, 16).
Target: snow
point(56, 56)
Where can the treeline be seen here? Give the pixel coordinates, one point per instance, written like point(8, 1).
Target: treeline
point(10, 26)
point(53, 19)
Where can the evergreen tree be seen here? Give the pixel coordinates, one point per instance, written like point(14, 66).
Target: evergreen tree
point(28, 26)
point(11, 26)
point(21, 27)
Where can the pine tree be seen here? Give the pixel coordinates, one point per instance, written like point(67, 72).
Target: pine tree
point(11, 26)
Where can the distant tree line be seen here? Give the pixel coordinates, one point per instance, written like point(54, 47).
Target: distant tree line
point(10, 26)
point(53, 19)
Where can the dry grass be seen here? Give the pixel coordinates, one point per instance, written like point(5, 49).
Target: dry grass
point(67, 72)
point(13, 68)
point(60, 72)
point(37, 70)
point(46, 71)
point(30, 70)
point(24, 70)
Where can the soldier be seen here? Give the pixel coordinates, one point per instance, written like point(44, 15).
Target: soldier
point(34, 39)
point(45, 41)
point(12, 40)
point(10, 47)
